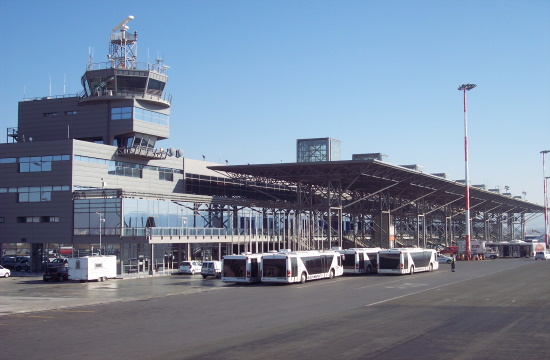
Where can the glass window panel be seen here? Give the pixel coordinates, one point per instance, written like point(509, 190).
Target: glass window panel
point(34, 197)
point(23, 197)
point(35, 166)
point(46, 196)
point(24, 167)
point(82, 220)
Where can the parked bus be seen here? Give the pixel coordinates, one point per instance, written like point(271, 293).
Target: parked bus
point(407, 260)
point(515, 248)
point(244, 268)
point(300, 266)
point(360, 260)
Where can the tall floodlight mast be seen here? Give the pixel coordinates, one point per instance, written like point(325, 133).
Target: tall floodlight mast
point(545, 184)
point(464, 88)
point(123, 46)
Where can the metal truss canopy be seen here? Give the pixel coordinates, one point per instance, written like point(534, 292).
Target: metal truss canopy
point(373, 176)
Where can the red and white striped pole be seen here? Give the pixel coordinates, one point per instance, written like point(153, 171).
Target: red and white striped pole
point(544, 152)
point(464, 88)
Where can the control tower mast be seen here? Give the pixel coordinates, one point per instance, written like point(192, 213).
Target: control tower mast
point(123, 46)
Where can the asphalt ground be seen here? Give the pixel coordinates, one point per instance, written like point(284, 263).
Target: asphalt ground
point(485, 310)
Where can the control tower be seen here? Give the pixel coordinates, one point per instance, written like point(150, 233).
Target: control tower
point(134, 92)
point(123, 103)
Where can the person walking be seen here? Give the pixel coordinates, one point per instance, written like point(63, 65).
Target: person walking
point(453, 264)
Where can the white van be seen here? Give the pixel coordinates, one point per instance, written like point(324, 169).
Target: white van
point(211, 268)
point(543, 255)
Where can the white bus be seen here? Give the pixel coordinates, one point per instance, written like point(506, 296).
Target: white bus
point(300, 266)
point(244, 268)
point(407, 260)
point(360, 260)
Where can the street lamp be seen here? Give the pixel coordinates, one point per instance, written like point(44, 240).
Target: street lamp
point(101, 219)
point(544, 152)
point(464, 88)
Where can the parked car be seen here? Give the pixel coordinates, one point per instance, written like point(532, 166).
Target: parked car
point(23, 265)
point(442, 259)
point(211, 268)
point(16, 263)
point(190, 267)
point(57, 273)
point(543, 255)
point(4, 272)
point(59, 262)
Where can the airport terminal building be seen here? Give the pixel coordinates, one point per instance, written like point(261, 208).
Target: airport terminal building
point(87, 171)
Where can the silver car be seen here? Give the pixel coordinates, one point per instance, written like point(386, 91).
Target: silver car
point(190, 267)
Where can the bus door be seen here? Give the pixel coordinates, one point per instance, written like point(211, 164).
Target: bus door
point(254, 266)
point(293, 267)
point(361, 261)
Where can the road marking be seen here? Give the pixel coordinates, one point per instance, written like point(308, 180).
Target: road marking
point(433, 288)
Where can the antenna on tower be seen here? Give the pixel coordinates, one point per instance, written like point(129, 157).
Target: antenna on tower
point(123, 50)
point(122, 26)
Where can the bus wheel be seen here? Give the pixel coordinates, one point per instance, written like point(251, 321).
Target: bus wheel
point(331, 274)
point(369, 270)
point(303, 278)
point(412, 270)
point(431, 268)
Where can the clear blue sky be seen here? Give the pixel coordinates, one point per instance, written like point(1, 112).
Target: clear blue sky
point(248, 78)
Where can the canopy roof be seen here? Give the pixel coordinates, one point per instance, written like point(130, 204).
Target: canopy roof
point(372, 176)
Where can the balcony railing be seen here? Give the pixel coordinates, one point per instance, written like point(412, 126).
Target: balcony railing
point(142, 152)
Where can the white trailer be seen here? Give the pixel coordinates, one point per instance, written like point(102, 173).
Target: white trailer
point(92, 268)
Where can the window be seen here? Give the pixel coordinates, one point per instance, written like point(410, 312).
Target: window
point(73, 112)
point(36, 193)
point(50, 114)
point(36, 219)
point(121, 113)
point(39, 163)
point(151, 116)
point(166, 174)
point(28, 219)
point(8, 160)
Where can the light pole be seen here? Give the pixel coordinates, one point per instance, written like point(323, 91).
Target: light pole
point(464, 88)
point(101, 219)
point(545, 184)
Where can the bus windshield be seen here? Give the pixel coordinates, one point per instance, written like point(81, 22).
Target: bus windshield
point(234, 267)
point(274, 267)
point(389, 261)
point(349, 261)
